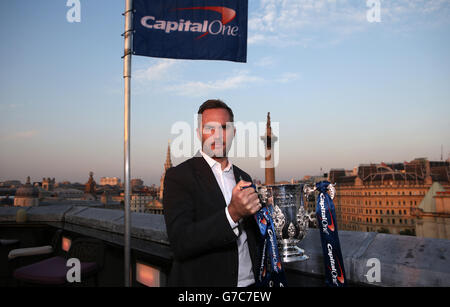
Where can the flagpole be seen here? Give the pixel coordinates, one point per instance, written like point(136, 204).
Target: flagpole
point(127, 78)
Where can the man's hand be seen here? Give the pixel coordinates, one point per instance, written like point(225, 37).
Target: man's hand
point(244, 202)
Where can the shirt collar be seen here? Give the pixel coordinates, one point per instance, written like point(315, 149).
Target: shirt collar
point(211, 162)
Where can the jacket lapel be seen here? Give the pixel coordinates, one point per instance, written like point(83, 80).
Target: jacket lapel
point(237, 174)
point(206, 176)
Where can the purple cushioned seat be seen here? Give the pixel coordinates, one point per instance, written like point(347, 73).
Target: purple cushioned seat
point(51, 271)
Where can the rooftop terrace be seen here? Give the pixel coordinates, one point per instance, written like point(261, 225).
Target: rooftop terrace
point(404, 260)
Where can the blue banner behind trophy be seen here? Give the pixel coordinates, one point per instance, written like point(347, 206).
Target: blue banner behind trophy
point(331, 247)
point(188, 29)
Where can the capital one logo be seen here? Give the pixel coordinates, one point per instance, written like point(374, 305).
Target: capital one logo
point(215, 27)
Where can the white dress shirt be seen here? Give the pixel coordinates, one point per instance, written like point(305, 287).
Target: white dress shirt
point(225, 179)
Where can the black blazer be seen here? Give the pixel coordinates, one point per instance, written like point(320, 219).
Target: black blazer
point(203, 243)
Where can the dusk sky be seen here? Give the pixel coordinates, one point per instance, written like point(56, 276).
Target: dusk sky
point(343, 90)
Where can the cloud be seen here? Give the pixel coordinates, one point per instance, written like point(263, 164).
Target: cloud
point(240, 79)
point(19, 135)
point(285, 23)
point(291, 22)
point(11, 106)
point(417, 11)
point(161, 77)
point(162, 70)
point(288, 77)
point(256, 38)
point(267, 61)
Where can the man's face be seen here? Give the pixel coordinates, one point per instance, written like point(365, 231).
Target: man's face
point(216, 132)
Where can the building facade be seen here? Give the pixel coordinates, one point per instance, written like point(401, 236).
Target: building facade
point(382, 197)
point(110, 181)
point(139, 202)
point(27, 195)
point(433, 213)
point(48, 184)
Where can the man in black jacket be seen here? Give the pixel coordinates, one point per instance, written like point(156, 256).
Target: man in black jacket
point(209, 212)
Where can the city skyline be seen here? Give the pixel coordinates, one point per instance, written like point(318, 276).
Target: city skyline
point(119, 179)
point(345, 91)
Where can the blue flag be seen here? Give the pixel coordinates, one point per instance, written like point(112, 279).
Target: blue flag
point(191, 29)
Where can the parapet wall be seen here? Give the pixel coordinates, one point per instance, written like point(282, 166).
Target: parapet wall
point(403, 260)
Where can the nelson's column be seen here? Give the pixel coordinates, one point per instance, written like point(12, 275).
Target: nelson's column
point(269, 139)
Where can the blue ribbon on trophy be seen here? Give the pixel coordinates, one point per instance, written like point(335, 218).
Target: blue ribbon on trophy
point(331, 247)
point(271, 273)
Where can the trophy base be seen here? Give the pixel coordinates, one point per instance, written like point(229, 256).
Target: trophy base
point(290, 252)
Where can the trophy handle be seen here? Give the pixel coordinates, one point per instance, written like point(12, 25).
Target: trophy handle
point(332, 190)
point(307, 190)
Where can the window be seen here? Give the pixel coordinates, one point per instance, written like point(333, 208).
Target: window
point(393, 221)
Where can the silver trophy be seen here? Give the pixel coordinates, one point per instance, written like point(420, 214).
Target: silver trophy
point(290, 218)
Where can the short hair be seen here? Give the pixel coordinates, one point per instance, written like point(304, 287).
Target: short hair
point(215, 104)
